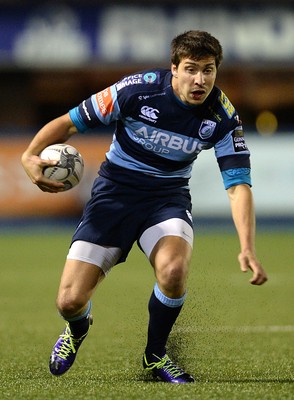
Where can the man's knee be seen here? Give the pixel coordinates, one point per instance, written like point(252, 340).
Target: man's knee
point(172, 275)
point(173, 270)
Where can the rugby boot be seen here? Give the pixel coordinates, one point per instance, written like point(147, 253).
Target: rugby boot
point(65, 350)
point(165, 370)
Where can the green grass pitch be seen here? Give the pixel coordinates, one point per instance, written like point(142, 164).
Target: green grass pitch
point(235, 338)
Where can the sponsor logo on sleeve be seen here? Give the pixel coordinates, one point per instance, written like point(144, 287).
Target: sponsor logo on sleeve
point(129, 80)
point(104, 102)
point(150, 77)
point(226, 105)
point(239, 141)
point(137, 79)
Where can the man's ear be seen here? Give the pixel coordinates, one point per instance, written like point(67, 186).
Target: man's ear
point(174, 70)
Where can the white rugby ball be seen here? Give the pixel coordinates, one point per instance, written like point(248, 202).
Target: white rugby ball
point(70, 167)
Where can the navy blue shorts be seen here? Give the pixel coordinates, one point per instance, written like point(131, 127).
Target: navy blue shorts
point(118, 214)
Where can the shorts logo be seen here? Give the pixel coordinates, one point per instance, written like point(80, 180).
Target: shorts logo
point(207, 128)
point(189, 215)
point(149, 113)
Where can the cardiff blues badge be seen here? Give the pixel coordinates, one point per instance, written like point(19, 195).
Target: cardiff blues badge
point(206, 129)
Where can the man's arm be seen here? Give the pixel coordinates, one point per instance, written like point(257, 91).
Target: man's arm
point(241, 201)
point(58, 130)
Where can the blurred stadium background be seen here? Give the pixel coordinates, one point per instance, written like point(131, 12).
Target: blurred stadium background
point(55, 54)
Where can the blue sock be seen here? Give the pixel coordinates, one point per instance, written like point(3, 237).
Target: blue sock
point(163, 313)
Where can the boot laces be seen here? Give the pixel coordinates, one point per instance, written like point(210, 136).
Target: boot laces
point(166, 364)
point(69, 343)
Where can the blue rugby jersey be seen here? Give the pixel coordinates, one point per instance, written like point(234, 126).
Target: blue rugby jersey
point(156, 134)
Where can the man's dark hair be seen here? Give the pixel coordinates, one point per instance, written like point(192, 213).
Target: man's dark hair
point(195, 45)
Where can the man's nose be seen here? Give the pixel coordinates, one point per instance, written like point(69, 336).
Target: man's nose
point(199, 78)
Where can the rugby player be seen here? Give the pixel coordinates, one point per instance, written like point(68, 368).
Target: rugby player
point(163, 118)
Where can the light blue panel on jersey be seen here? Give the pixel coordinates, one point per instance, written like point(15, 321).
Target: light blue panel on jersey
point(106, 106)
point(231, 144)
point(167, 144)
point(119, 157)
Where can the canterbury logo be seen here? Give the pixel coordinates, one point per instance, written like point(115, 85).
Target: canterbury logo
point(149, 112)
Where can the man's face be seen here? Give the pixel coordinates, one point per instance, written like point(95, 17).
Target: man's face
point(193, 80)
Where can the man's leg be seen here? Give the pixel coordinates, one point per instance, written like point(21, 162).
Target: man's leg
point(78, 282)
point(170, 259)
point(86, 266)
